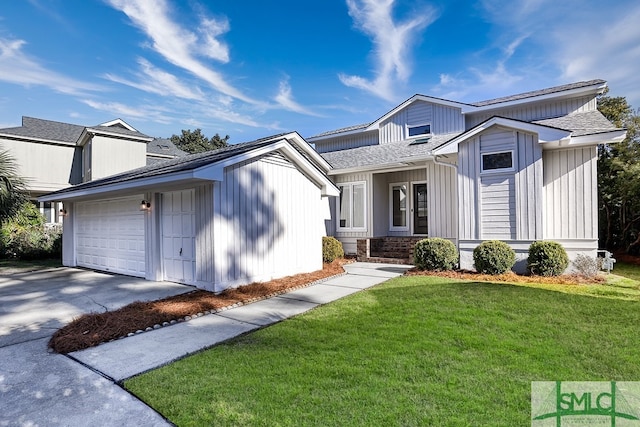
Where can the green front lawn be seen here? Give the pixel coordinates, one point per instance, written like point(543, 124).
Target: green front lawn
point(413, 351)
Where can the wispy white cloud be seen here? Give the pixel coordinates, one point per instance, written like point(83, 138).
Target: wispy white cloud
point(285, 99)
point(392, 42)
point(17, 67)
point(608, 48)
point(571, 40)
point(177, 111)
point(122, 110)
point(154, 80)
point(180, 46)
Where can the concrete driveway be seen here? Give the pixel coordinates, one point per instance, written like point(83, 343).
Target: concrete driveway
point(38, 388)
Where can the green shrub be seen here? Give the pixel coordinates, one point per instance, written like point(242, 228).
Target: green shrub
point(331, 249)
point(547, 259)
point(33, 242)
point(25, 236)
point(436, 254)
point(493, 257)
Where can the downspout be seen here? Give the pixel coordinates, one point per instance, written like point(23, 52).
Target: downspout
point(455, 168)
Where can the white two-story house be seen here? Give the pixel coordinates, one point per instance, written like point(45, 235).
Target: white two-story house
point(519, 169)
point(53, 155)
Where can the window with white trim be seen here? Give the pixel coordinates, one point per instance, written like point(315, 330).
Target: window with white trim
point(497, 162)
point(351, 206)
point(419, 130)
point(398, 203)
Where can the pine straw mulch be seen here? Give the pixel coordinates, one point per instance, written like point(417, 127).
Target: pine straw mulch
point(92, 329)
point(511, 277)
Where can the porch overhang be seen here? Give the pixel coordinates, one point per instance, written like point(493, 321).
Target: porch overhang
point(407, 163)
point(546, 134)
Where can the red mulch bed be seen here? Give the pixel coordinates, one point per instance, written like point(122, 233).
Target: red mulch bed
point(92, 329)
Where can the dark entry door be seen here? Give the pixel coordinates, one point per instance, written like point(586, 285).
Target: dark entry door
point(420, 209)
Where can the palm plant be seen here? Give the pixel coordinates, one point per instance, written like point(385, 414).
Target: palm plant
point(13, 189)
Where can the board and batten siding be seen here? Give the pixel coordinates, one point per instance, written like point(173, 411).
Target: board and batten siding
point(500, 205)
point(570, 180)
point(528, 188)
point(345, 142)
point(468, 173)
point(268, 223)
point(443, 120)
point(205, 238)
point(442, 201)
point(110, 156)
point(539, 111)
point(349, 238)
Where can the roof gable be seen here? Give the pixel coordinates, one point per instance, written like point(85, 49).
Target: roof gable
point(204, 166)
point(589, 87)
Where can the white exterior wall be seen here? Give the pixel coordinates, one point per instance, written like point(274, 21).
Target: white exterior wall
point(349, 238)
point(110, 156)
point(536, 111)
point(442, 194)
point(35, 162)
point(571, 200)
point(500, 205)
point(268, 223)
point(443, 120)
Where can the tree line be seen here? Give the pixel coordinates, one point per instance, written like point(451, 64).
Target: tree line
point(619, 179)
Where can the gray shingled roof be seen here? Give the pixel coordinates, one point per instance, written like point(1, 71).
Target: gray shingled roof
point(179, 164)
point(63, 132)
point(580, 124)
point(541, 92)
point(117, 130)
point(485, 103)
point(165, 147)
point(374, 155)
point(341, 130)
point(45, 129)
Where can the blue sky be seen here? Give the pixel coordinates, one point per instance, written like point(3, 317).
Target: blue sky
point(255, 68)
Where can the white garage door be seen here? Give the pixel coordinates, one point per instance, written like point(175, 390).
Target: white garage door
point(110, 235)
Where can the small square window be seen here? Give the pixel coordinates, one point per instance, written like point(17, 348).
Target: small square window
point(419, 130)
point(497, 161)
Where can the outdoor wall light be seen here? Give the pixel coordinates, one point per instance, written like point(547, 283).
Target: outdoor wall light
point(145, 206)
point(63, 212)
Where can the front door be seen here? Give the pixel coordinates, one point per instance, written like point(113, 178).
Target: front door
point(420, 209)
point(178, 236)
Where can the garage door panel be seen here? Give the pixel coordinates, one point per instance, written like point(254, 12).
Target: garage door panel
point(110, 236)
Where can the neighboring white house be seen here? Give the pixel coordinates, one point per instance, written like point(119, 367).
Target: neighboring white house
point(53, 155)
point(248, 212)
point(519, 168)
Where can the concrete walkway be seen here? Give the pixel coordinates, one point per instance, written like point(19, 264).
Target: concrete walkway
point(121, 359)
point(38, 388)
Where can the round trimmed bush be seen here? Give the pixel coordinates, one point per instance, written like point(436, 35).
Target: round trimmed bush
point(331, 249)
point(547, 259)
point(493, 257)
point(435, 254)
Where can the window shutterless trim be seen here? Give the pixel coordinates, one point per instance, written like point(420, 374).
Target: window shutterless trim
point(351, 185)
point(512, 168)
